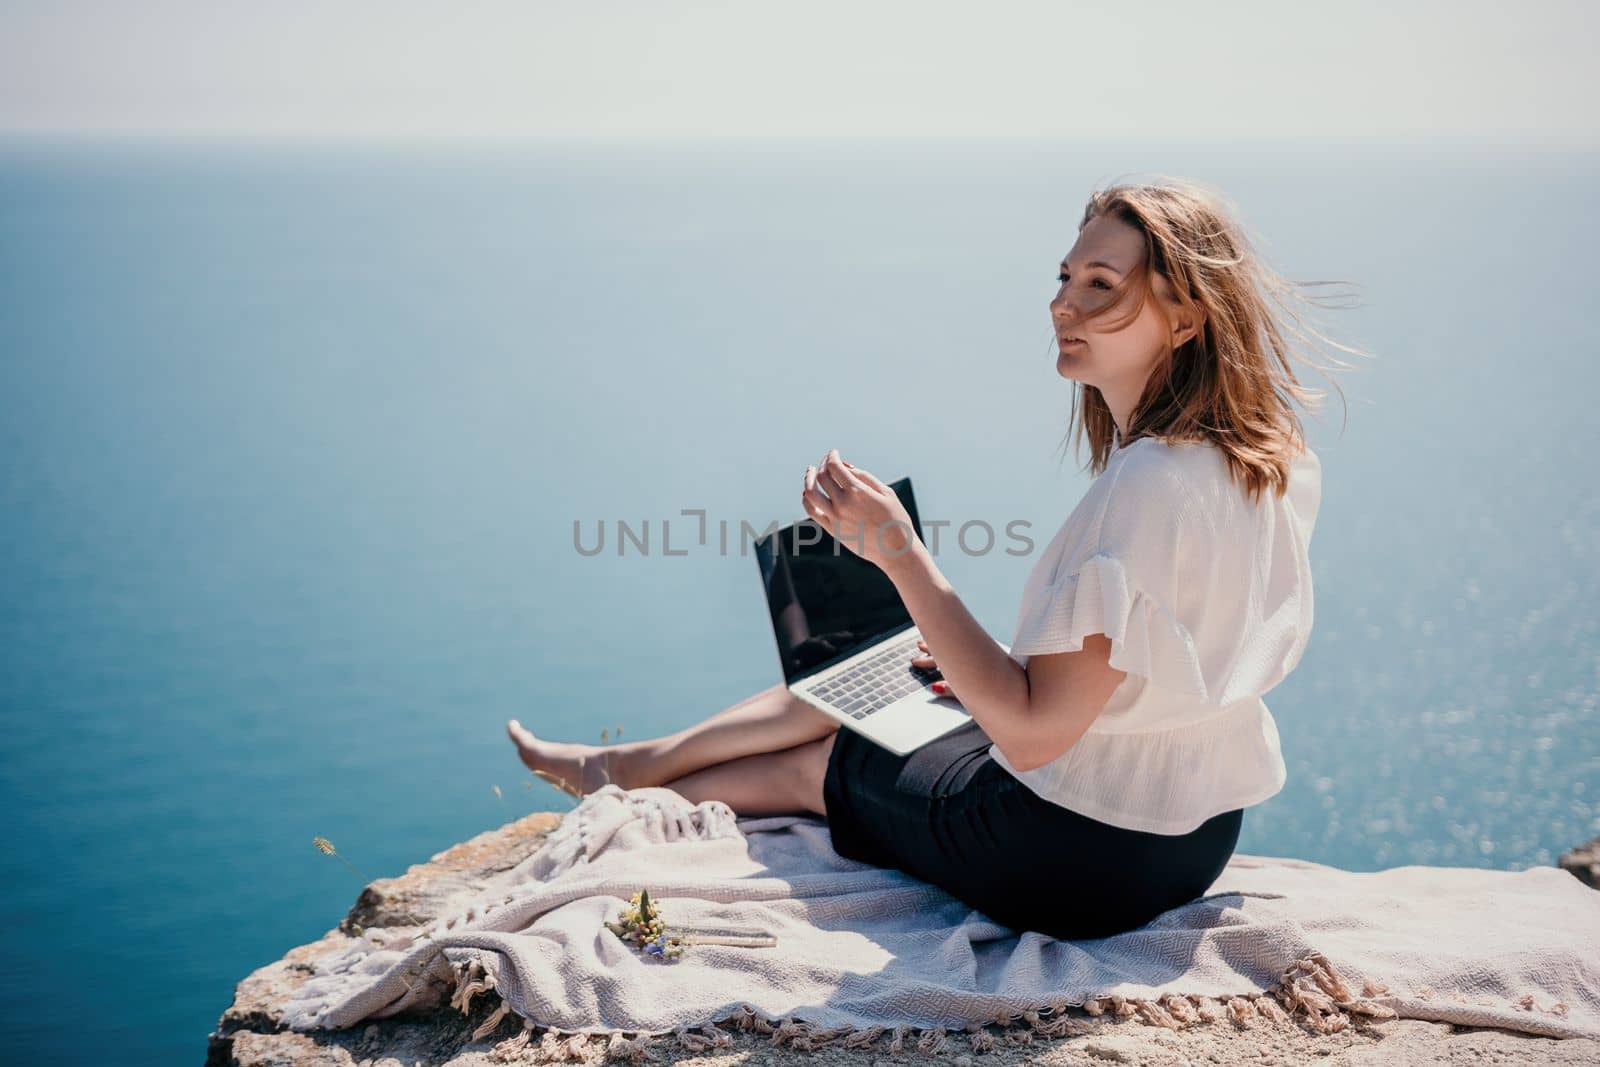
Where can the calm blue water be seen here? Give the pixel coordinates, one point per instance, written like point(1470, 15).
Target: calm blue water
point(293, 440)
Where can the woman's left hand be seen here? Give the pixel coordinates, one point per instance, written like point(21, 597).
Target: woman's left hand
point(858, 510)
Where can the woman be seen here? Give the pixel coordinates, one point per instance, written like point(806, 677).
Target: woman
point(1111, 752)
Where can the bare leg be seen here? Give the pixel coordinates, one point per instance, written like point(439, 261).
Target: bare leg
point(769, 721)
point(785, 782)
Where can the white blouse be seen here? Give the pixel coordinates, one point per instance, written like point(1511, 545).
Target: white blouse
point(1206, 596)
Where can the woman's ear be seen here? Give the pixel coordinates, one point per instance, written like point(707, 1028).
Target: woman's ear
point(1186, 321)
point(1187, 325)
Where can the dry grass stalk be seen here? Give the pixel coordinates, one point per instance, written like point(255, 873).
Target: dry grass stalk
point(326, 848)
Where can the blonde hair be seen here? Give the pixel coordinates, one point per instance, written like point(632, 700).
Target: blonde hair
point(1232, 383)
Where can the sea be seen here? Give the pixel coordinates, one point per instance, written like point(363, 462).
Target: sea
point(298, 436)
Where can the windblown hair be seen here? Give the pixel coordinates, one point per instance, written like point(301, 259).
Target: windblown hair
point(1232, 383)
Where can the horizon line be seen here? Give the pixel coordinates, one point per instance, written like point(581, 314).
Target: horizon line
point(1407, 138)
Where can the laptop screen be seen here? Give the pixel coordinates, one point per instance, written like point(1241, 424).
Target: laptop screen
point(827, 603)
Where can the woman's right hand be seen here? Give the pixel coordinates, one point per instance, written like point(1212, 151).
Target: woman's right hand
point(926, 662)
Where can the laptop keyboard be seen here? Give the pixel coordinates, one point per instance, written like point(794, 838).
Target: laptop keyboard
point(877, 681)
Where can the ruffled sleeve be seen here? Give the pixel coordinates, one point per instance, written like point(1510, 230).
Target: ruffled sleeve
point(1202, 591)
point(1138, 544)
point(1101, 597)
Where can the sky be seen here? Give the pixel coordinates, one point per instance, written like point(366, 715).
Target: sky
point(1463, 69)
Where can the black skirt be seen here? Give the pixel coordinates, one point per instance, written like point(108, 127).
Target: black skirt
point(952, 816)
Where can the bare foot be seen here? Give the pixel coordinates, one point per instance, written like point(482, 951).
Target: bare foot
point(558, 762)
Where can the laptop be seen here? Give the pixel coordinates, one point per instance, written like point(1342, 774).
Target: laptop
point(846, 640)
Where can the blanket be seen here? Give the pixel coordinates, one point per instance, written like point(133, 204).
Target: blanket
point(861, 949)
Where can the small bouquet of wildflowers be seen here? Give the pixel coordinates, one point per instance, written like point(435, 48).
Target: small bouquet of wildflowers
point(641, 922)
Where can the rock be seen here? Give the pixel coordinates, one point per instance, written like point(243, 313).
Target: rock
point(1584, 861)
point(419, 895)
point(251, 1032)
point(1115, 1051)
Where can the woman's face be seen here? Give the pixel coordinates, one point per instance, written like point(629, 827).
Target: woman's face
point(1097, 272)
